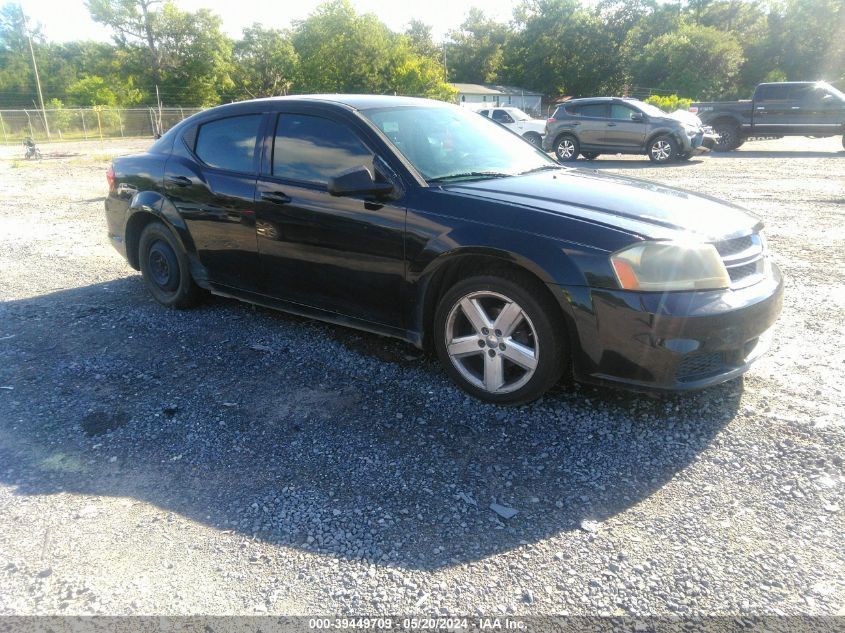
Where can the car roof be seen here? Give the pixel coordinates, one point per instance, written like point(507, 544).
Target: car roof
point(583, 100)
point(353, 101)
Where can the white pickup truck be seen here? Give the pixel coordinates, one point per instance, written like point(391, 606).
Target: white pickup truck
point(517, 121)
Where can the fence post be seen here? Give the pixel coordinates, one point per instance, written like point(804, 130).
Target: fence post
point(84, 129)
point(99, 124)
point(29, 120)
point(152, 122)
point(3, 125)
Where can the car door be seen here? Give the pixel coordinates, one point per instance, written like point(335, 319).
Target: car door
point(343, 254)
point(773, 109)
point(210, 179)
point(622, 131)
point(819, 111)
point(591, 125)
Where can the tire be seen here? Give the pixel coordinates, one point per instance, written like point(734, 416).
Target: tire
point(843, 141)
point(729, 136)
point(590, 155)
point(663, 149)
point(504, 368)
point(566, 148)
point(535, 139)
point(165, 268)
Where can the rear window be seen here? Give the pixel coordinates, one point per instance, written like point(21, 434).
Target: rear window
point(229, 143)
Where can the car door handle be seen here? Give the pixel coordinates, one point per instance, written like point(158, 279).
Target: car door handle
point(178, 181)
point(796, 107)
point(575, 123)
point(276, 197)
point(611, 125)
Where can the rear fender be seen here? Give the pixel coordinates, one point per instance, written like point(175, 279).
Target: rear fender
point(146, 203)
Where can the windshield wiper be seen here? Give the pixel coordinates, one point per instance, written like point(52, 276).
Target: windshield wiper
point(471, 174)
point(542, 168)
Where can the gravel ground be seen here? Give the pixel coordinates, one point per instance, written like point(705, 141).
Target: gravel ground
point(233, 460)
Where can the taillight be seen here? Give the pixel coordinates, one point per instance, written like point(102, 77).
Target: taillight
point(110, 177)
point(551, 119)
point(693, 109)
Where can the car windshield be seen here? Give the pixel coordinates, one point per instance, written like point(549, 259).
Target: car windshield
point(647, 108)
point(830, 89)
point(518, 114)
point(450, 143)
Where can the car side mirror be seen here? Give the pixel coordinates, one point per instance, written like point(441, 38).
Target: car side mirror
point(357, 181)
point(638, 117)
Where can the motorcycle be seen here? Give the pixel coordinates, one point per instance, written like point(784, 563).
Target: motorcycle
point(32, 151)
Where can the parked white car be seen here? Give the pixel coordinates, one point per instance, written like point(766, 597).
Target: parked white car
point(518, 121)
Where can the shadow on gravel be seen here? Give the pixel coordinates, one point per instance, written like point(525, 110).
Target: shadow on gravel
point(312, 436)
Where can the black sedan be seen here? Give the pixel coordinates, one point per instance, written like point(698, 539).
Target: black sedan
point(423, 221)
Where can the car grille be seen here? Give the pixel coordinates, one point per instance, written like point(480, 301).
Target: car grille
point(744, 259)
point(697, 366)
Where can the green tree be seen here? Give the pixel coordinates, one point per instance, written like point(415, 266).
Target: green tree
point(560, 47)
point(90, 91)
point(699, 61)
point(341, 51)
point(265, 63)
point(475, 51)
point(806, 39)
point(17, 83)
point(419, 36)
point(184, 53)
point(196, 56)
point(133, 22)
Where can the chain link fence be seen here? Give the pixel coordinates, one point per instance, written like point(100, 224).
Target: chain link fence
point(78, 124)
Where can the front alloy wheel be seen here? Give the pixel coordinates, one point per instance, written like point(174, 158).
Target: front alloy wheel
point(498, 338)
point(492, 342)
point(567, 148)
point(663, 150)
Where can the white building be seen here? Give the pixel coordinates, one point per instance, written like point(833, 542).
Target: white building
point(476, 96)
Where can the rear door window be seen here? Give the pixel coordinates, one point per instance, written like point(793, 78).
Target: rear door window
point(594, 110)
point(229, 143)
point(313, 149)
point(773, 93)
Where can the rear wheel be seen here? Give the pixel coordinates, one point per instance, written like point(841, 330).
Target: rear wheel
point(532, 137)
point(729, 136)
point(663, 149)
point(498, 338)
point(165, 268)
point(590, 155)
point(566, 148)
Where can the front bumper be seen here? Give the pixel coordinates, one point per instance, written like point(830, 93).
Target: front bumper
point(673, 341)
point(701, 143)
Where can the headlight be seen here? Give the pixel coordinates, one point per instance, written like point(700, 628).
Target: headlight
point(662, 266)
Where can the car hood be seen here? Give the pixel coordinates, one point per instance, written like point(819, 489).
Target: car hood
point(644, 208)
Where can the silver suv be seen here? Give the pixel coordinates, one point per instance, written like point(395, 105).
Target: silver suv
point(611, 125)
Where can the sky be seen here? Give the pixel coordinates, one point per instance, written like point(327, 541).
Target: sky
point(66, 20)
